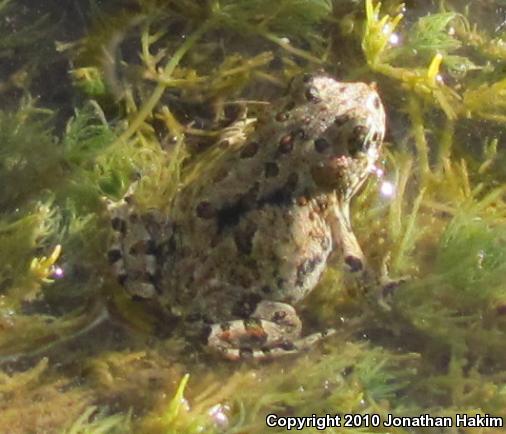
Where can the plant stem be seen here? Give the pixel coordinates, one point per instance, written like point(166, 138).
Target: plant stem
point(147, 108)
point(415, 113)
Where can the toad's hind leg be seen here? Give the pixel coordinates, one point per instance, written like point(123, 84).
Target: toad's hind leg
point(273, 330)
point(138, 246)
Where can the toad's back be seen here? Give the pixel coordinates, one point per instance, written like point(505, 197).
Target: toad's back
point(261, 225)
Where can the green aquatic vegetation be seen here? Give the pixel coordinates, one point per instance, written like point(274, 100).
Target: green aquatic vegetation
point(22, 274)
point(32, 400)
point(434, 34)
point(457, 305)
point(376, 44)
point(12, 41)
point(360, 379)
point(438, 36)
point(239, 16)
point(435, 345)
point(10, 383)
point(89, 422)
point(30, 165)
point(430, 35)
point(22, 49)
point(487, 101)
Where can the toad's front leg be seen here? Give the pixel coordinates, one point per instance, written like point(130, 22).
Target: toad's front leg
point(273, 330)
point(379, 286)
point(345, 240)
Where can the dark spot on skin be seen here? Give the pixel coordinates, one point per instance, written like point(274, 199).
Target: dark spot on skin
point(391, 287)
point(231, 215)
point(245, 353)
point(307, 267)
point(282, 116)
point(114, 256)
point(299, 133)
point(354, 263)
point(322, 203)
point(250, 150)
point(321, 144)
point(205, 210)
point(246, 305)
point(204, 336)
point(285, 148)
point(302, 201)
point(278, 316)
point(119, 225)
point(271, 170)
point(137, 248)
point(122, 278)
point(357, 139)
point(376, 137)
point(341, 120)
point(283, 195)
point(286, 144)
point(280, 282)
point(325, 243)
point(249, 199)
point(312, 95)
point(287, 346)
point(225, 326)
point(146, 247)
point(266, 289)
point(265, 350)
point(133, 218)
point(244, 239)
point(137, 298)
point(306, 78)
point(149, 278)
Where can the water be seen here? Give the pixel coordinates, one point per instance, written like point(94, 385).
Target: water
point(78, 355)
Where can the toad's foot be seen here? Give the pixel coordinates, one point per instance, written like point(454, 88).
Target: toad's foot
point(386, 290)
point(272, 331)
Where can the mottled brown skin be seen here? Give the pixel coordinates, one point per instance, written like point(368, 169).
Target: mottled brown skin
point(246, 244)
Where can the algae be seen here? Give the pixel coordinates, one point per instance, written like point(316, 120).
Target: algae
point(150, 87)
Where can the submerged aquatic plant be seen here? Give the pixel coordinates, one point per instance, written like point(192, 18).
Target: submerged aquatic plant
point(166, 77)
